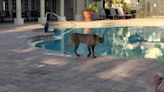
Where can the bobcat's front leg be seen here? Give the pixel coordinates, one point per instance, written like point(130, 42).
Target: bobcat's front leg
point(93, 51)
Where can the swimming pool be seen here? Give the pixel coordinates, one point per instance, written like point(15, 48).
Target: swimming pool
point(135, 42)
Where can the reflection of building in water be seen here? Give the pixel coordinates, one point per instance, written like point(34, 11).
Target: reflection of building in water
point(153, 53)
point(125, 43)
point(154, 37)
point(152, 50)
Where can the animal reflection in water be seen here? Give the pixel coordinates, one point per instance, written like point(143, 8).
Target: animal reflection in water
point(126, 44)
point(90, 39)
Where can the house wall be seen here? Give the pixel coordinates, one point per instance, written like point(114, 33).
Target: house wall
point(80, 6)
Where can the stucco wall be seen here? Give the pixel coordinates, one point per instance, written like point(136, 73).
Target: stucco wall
point(80, 6)
point(79, 9)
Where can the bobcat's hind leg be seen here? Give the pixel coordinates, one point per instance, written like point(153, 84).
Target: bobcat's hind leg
point(75, 49)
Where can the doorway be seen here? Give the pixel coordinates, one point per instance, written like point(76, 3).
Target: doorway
point(69, 9)
point(51, 6)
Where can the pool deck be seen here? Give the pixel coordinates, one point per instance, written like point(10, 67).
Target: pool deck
point(24, 68)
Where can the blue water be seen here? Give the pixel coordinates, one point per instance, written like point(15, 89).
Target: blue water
point(142, 42)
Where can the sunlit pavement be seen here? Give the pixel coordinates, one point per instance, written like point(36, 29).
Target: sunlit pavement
point(24, 68)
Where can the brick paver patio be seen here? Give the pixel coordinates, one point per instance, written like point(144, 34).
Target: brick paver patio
point(27, 69)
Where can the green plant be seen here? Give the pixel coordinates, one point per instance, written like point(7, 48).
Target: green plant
point(93, 7)
point(118, 1)
point(126, 7)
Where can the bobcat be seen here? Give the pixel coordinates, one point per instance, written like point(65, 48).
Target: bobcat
point(90, 39)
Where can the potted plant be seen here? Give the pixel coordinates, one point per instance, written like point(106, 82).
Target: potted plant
point(91, 9)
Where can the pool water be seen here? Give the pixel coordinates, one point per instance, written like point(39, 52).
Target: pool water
point(135, 42)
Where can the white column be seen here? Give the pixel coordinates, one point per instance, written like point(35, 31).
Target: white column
point(18, 20)
point(62, 15)
point(42, 18)
point(3, 5)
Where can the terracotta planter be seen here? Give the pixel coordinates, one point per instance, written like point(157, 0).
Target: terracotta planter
point(88, 16)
